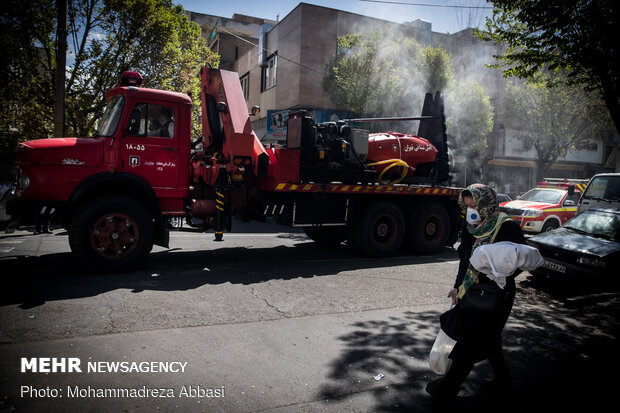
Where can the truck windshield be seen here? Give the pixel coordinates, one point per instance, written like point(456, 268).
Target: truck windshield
point(548, 196)
point(111, 116)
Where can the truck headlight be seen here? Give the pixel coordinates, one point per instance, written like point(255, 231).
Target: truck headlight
point(592, 261)
point(24, 181)
point(532, 212)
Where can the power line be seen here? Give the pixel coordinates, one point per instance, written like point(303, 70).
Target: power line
point(427, 5)
point(269, 51)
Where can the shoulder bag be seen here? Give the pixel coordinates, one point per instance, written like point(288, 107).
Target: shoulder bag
point(485, 297)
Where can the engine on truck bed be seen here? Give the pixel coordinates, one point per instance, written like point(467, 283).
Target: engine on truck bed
point(334, 151)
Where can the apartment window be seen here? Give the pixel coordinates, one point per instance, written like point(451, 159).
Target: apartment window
point(245, 85)
point(269, 72)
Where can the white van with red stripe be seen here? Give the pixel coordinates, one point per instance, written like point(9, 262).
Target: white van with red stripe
point(546, 207)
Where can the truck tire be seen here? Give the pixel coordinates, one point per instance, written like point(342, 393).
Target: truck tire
point(428, 228)
point(328, 236)
point(112, 233)
point(382, 230)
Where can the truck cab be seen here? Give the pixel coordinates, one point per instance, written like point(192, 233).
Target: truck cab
point(137, 156)
point(129, 140)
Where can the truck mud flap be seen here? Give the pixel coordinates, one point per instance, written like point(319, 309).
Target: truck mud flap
point(320, 210)
point(162, 234)
point(309, 211)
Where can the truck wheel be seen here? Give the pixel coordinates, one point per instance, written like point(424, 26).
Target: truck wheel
point(382, 230)
point(328, 236)
point(112, 233)
point(429, 228)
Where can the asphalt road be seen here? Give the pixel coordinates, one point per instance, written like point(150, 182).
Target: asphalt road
point(269, 321)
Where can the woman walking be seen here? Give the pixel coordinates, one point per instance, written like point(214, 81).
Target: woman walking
point(479, 331)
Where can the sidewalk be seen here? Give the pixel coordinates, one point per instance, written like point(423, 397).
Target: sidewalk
point(326, 363)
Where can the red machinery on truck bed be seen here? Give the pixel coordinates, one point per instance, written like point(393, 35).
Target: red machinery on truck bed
point(117, 190)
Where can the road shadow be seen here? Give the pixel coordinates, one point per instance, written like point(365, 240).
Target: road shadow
point(397, 348)
point(566, 289)
point(34, 280)
point(561, 360)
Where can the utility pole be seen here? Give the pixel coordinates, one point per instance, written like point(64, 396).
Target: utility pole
point(61, 62)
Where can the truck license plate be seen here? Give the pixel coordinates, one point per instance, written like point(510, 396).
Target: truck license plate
point(555, 267)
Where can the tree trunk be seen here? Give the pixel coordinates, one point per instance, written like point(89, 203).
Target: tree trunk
point(541, 168)
point(611, 98)
point(61, 62)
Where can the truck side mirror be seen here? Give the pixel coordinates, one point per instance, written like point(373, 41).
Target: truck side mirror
point(255, 110)
point(222, 107)
point(571, 190)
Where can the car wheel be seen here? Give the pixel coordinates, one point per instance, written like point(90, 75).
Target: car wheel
point(550, 225)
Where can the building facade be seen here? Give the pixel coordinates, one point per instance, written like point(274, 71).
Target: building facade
point(281, 65)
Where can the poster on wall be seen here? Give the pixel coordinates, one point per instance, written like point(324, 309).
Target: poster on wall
point(276, 125)
point(277, 120)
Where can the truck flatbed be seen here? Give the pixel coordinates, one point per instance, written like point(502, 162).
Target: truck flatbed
point(397, 189)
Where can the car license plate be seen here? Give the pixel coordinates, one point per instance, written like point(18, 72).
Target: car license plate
point(555, 267)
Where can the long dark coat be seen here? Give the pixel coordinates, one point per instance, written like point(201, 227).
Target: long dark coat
point(481, 331)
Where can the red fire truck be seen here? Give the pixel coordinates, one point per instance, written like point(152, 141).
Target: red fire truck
point(548, 206)
point(116, 191)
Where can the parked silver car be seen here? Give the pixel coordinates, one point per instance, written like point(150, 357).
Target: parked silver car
point(603, 191)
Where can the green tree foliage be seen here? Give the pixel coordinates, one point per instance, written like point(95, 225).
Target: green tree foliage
point(437, 69)
point(577, 37)
point(469, 113)
point(364, 78)
point(153, 37)
point(26, 87)
point(106, 37)
point(469, 118)
point(383, 75)
point(555, 120)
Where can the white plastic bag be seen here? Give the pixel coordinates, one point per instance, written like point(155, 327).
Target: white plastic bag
point(438, 359)
point(501, 259)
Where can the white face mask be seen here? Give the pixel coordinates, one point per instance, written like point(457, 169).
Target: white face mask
point(472, 217)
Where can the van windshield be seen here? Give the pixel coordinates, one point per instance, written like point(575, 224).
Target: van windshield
point(607, 187)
